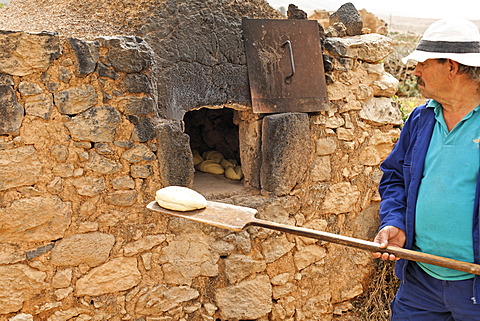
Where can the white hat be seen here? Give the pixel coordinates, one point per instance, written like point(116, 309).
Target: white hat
point(451, 38)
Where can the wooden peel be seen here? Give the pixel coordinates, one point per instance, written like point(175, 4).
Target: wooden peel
point(236, 218)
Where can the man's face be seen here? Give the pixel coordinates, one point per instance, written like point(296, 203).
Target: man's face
point(432, 78)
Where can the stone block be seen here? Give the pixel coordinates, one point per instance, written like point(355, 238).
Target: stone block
point(286, 150)
point(127, 54)
point(381, 111)
point(89, 186)
point(97, 124)
point(138, 83)
point(11, 112)
point(350, 17)
point(161, 299)
point(76, 100)
point(92, 249)
point(122, 198)
point(370, 47)
point(26, 53)
point(248, 300)
point(117, 275)
point(341, 198)
point(137, 105)
point(144, 129)
point(39, 105)
point(35, 219)
point(29, 88)
point(87, 53)
point(138, 153)
point(174, 148)
point(19, 283)
point(19, 167)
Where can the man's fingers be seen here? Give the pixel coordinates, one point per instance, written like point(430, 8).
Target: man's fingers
point(385, 256)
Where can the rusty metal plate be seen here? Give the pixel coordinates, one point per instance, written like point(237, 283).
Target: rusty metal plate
point(285, 65)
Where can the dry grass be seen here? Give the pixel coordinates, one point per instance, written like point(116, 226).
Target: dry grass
point(374, 304)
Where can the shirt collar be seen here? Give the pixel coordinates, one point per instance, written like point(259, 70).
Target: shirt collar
point(437, 107)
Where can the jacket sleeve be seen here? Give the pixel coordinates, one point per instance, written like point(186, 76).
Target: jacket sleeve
point(396, 176)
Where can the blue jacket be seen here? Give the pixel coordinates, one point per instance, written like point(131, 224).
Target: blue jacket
point(402, 173)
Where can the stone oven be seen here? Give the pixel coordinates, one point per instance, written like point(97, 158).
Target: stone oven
point(93, 123)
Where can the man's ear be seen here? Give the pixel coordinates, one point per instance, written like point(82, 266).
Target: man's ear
point(453, 67)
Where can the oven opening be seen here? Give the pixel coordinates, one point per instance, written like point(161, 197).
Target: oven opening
point(214, 141)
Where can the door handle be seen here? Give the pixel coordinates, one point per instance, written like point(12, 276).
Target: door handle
point(288, 79)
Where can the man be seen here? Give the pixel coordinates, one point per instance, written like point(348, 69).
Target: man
point(430, 187)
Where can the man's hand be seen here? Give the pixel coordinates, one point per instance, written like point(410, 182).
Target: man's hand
point(389, 235)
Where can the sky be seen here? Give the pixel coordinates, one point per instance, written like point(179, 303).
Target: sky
point(404, 8)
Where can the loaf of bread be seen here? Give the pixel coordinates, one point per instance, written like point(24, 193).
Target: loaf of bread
point(197, 159)
point(228, 163)
point(179, 198)
point(234, 173)
point(209, 166)
point(213, 155)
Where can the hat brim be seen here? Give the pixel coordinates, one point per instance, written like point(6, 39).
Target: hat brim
point(469, 59)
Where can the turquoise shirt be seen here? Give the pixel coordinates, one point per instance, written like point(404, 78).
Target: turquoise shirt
point(444, 210)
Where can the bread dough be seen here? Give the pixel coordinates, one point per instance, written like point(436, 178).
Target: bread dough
point(179, 198)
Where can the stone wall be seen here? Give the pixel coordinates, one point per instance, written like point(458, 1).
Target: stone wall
point(82, 151)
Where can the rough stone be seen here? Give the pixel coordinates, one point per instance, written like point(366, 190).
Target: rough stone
point(138, 153)
point(35, 219)
point(105, 72)
point(39, 251)
point(238, 267)
point(92, 249)
point(141, 171)
point(6, 80)
point(19, 167)
point(146, 243)
point(87, 53)
point(117, 275)
point(283, 159)
point(138, 83)
point(102, 164)
point(144, 128)
point(62, 278)
point(89, 186)
point(161, 299)
point(22, 317)
point(97, 124)
point(29, 89)
point(248, 300)
point(321, 170)
point(127, 54)
point(308, 255)
point(39, 105)
point(381, 111)
point(76, 100)
point(325, 146)
point(350, 17)
point(187, 257)
point(174, 148)
point(25, 53)
point(370, 47)
point(137, 105)
point(386, 86)
point(11, 112)
point(337, 91)
point(341, 198)
point(124, 182)
point(19, 282)
point(122, 198)
point(275, 248)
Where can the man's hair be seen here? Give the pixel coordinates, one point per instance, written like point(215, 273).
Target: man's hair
point(472, 72)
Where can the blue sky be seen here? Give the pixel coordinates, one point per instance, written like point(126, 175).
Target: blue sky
point(404, 8)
